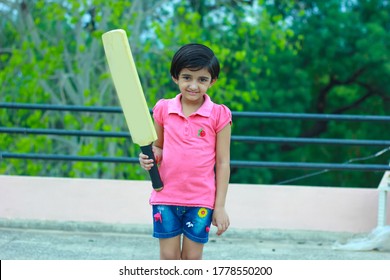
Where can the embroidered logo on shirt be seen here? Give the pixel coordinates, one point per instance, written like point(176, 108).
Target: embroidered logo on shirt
point(201, 133)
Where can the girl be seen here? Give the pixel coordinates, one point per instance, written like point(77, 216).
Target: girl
point(193, 153)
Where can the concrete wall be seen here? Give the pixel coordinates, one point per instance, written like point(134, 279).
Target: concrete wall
point(249, 206)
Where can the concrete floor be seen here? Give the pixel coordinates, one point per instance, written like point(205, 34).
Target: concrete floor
point(94, 219)
point(37, 240)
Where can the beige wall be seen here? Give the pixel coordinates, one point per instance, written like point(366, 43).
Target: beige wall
point(249, 206)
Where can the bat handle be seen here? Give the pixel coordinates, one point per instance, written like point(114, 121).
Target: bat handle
point(153, 172)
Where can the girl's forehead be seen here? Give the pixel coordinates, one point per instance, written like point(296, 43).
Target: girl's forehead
point(200, 72)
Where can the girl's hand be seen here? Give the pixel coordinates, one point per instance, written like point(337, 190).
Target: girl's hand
point(157, 154)
point(147, 163)
point(221, 220)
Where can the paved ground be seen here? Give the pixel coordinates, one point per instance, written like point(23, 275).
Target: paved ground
point(34, 240)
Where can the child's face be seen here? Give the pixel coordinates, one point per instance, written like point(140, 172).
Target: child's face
point(194, 84)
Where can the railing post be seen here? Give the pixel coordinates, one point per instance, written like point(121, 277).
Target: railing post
point(384, 188)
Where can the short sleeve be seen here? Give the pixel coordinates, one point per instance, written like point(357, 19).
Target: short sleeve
point(224, 117)
point(159, 111)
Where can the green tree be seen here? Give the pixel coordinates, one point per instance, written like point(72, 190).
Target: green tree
point(277, 56)
point(342, 59)
point(57, 57)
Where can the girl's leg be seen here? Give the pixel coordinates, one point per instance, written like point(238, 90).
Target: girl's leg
point(170, 248)
point(191, 250)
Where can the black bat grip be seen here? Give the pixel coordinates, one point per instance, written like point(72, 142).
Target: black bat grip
point(153, 172)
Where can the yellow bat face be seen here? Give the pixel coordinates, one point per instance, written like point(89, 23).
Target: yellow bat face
point(128, 87)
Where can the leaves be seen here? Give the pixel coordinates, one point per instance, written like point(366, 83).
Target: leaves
point(276, 56)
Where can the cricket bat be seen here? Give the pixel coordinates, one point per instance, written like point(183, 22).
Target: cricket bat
point(131, 97)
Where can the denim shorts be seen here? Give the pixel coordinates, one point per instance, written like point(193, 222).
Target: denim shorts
point(170, 221)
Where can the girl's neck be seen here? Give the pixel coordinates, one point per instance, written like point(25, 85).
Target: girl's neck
point(189, 108)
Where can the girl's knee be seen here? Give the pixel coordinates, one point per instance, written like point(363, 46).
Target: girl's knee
point(169, 255)
point(170, 248)
point(191, 250)
point(191, 255)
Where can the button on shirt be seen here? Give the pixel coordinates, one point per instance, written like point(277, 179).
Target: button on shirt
point(187, 166)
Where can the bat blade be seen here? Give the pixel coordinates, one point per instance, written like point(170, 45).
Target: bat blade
point(128, 87)
point(130, 94)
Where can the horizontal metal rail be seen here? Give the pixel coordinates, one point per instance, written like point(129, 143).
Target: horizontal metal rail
point(60, 157)
point(52, 107)
point(234, 163)
point(306, 116)
point(63, 132)
point(268, 115)
point(236, 138)
point(302, 140)
point(311, 165)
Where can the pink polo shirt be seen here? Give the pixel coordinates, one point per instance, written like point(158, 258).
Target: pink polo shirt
point(187, 166)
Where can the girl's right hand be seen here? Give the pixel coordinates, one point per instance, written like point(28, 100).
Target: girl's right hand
point(145, 162)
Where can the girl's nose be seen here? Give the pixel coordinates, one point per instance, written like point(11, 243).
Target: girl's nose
point(193, 85)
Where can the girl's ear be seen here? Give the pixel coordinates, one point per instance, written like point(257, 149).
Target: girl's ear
point(175, 80)
point(212, 82)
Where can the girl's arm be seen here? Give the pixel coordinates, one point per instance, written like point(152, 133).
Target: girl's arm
point(220, 216)
point(159, 143)
point(160, 135)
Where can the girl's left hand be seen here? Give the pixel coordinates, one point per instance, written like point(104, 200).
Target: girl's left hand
point(221, 220)
point(157, 154)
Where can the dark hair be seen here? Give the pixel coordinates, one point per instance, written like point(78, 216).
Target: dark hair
point(195, 57)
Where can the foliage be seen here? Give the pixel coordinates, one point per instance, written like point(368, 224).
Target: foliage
point(277, 56)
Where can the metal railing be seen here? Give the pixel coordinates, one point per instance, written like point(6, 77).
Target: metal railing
point(236, 138)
